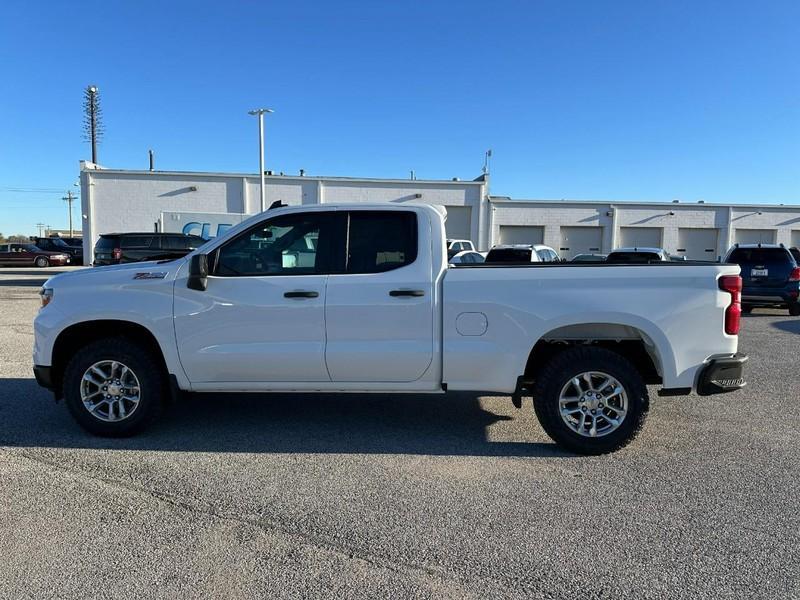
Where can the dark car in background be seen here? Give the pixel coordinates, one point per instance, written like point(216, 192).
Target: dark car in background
point(795, 252)
point(72, 241)
point(28, 255)
point(116, 248)
point(770, 276)
point(59, 245)
point(589, 258)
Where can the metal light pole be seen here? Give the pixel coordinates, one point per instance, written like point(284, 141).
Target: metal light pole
point(260, 112)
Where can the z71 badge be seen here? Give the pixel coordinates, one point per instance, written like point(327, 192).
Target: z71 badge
point(156, 275)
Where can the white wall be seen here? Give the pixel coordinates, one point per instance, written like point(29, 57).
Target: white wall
point(668, 218)
point(116, 200)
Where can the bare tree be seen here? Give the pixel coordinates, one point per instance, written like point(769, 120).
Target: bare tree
point(93, 129)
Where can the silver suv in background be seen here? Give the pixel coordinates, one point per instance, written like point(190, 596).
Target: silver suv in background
point(638, 256)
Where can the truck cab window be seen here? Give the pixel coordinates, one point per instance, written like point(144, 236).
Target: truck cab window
point(285, 245)
point(380, 241)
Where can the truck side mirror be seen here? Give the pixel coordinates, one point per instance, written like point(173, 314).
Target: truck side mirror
point(198, 273)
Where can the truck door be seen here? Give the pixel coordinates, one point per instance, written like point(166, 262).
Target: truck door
point(262, 317)
point(379, 309)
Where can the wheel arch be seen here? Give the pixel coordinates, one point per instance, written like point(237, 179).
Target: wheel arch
point(80, 334)
point(645, 347)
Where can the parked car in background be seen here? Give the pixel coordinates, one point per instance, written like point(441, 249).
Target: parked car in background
point(28, 255)
point(456, 246)
point(795, 252)
point(522, 253)
point(589, 258)
point(467, 257)
point(770, 276)
point(637, 256)
point(71, 241)
point(54, 244)
point(116, 248)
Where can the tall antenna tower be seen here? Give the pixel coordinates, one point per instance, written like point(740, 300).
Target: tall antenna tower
point(92, 118)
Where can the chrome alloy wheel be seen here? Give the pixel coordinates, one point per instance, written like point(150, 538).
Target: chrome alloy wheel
point(593, 404)
point(110, 391)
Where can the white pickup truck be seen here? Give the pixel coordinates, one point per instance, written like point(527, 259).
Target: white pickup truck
point(360, 298)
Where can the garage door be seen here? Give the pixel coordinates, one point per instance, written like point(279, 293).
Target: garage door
point(642, 237)
point(580, 240)
point(697, 244)
point(754, 236)
point(521, 234)
point(796, 239)
point(459, 222)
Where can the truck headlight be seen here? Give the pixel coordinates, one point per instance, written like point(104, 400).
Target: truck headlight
point(46, 294)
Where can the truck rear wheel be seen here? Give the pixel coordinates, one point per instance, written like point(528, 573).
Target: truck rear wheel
point(114, 387)
point(590, 400)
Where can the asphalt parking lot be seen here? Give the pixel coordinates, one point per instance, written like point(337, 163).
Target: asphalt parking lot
point(403, 496)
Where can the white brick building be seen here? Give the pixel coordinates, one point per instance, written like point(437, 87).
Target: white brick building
point(115, 200)
point(697, 231)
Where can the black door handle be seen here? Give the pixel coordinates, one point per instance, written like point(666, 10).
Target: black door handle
point(412, 293)
point(301, 294)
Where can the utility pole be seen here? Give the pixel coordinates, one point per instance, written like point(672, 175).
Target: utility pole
point(69, 198)
point(39, 227)
point(260, 112)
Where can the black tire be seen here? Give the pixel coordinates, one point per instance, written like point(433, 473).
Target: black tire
point(42, 262)
point(794, 309)
point(564, 367)
point(152, 385)
point(746, 309)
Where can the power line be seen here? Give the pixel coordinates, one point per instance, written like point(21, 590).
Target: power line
point(31, 190)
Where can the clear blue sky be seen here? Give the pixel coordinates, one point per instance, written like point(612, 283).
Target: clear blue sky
point(624, 100)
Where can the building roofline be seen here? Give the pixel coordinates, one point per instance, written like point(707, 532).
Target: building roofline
point(658, 203)
point(85, 168)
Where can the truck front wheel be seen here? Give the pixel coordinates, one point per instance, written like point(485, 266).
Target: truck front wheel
point(590, 400)
point(113, 387)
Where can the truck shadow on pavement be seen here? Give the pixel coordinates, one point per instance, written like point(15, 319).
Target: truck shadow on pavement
point(452, 424)
point(788, 326)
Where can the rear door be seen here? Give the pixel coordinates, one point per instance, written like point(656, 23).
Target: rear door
point(379, 308)
point(104, 249)
point(5, 255)
point(21, 256)
point(763, 268)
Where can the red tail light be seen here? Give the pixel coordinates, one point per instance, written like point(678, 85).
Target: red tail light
point(117, 253)
point(733, 314)
point(795, 274)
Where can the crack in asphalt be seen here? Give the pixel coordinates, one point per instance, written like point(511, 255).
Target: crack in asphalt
point(275, 527)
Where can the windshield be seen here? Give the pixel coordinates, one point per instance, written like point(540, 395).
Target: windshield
point(509, 255)
point(629, 258)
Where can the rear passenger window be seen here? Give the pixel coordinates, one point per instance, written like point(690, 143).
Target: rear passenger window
point(136, 241)
point(380, 241)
